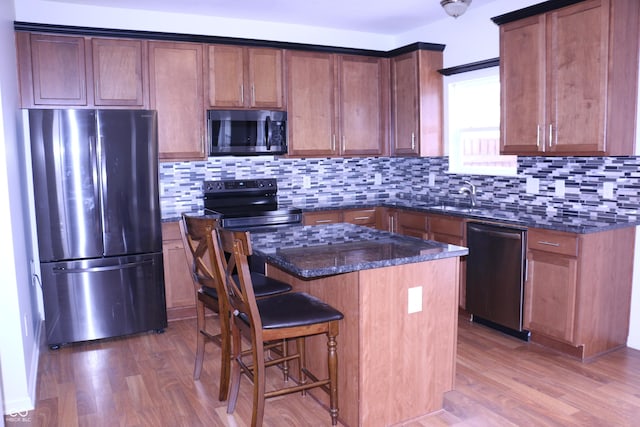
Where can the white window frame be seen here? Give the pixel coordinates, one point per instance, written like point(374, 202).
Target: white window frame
point(453, 132)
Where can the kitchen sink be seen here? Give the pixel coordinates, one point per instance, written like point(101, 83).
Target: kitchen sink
point(456, 208)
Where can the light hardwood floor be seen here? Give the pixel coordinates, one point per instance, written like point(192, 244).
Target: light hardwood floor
point(146, 380)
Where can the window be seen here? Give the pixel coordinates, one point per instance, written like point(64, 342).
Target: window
point(473, 124)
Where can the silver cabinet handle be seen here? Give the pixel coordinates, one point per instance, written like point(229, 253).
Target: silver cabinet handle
point(253, 94)
point(344, 143)
point(543, 242)
point(323, 221)
point(550, 135)
point(538, 136)
point(333, 142)
point(413, 140)
point(241, 94)
point(360, 218)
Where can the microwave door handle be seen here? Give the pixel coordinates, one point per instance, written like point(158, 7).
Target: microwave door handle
point(267, 130)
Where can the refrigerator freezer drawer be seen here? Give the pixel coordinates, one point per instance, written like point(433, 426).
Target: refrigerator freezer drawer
point(102, 298)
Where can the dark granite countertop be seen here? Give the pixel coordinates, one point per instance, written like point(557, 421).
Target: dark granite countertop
point(573, 222)
point(322, 250)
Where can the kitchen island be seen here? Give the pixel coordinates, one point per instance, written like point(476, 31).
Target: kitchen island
point(399, 296)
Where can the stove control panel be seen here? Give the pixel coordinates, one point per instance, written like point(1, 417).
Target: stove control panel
point(241, 185)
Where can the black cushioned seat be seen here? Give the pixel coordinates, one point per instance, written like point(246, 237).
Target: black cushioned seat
point(294, 309)
point(263, 286)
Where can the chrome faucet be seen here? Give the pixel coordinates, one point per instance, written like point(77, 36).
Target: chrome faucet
point(470, 190)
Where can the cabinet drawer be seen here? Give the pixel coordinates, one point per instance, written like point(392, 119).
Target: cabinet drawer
point(325, 217)
point(171, 231)
point(444, 225)
point(555, 242)
point(360, 217)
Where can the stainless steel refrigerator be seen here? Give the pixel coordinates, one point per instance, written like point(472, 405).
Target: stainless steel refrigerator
point(95, 179)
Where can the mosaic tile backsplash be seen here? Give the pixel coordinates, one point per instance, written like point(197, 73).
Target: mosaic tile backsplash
point(602, 186)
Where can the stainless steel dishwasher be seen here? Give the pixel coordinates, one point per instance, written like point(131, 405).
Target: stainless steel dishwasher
point(496, 275)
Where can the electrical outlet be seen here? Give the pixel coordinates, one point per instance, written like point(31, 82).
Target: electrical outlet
point(415, 299)
point(607, 190)
point(533, 185)
point(306, 181)
point(559, 188)
point(432, 179)
point(377, 178)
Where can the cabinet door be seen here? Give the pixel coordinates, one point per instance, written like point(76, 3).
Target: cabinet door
point(404, 75)
point(361, 106)
point(176, 93)
point(57, 71)
point(265, 78)
point(522, 86)
point(119, 72)
point(550, 294)
point(226, 76)
point(451, 230)
point(179, 288)
point(578, 64)
point(311, 103)
point(412, 224)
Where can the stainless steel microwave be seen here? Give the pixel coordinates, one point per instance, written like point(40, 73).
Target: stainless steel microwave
point(247, 132)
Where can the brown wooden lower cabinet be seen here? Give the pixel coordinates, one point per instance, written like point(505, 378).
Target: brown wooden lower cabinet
point(179, 289)
point(578, 290)
point(452, 230)
point(366, 217)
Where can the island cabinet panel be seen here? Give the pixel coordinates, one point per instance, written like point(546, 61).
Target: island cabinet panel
point(385, 353)
point(176, 71)
point(120, 72)
point(574, 93)
point(179, 288)
point(578, 290)
point(417, 104)
point(241, 77)
point(52, 70)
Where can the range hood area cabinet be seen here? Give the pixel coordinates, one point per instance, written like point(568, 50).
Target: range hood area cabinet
point(569, 79)
point(242, 77)
point(65, 71)
point(417, 103)
point(336, 104)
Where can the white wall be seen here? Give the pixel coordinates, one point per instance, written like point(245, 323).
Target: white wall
point(19, 314)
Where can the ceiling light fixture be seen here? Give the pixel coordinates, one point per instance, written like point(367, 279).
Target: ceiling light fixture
point(455, 8)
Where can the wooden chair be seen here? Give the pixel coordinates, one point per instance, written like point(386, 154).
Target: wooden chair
point(202, 250)
point(293, 315)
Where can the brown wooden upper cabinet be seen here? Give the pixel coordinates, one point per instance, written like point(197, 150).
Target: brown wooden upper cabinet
point(336, 104)
point(120, 72)
point(417, 104)
point(176, 71)
point(569, 80)
point(63, 71)
point(242, 77)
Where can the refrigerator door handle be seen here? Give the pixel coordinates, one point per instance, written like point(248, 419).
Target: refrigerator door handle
point(65, 270)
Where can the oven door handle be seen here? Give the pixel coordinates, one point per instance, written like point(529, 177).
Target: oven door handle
point(267, 132)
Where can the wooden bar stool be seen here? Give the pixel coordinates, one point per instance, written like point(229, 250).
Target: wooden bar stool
point(202, 252)
point(293, 315)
